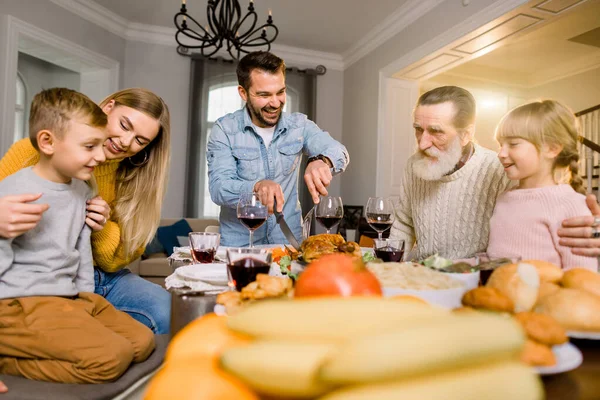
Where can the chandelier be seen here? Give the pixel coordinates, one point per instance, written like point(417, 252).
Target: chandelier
point(226, 29)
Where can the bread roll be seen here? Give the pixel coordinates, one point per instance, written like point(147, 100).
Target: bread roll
point(548, 272)
point(542, 328)
point(547, 288)
point(489, 299)
point(537, 354)
point(519, 282)
point(574, 309)
point(584, 279)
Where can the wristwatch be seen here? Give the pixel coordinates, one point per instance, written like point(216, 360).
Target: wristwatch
point(322, 158)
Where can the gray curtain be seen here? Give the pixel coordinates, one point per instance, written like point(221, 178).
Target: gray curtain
point(205, 73)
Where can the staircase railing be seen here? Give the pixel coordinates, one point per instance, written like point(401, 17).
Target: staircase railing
point(590, 136)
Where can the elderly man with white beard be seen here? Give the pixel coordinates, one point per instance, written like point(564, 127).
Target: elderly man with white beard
point(451, 184)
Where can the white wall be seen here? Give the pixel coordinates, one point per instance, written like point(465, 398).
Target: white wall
point(330, 96)
point(579, 92)
point(361, 82)
point(40, 75)
point(50, 17)
point(160, 69)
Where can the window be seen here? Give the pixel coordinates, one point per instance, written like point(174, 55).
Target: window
point(20, 105)
point(223, 98)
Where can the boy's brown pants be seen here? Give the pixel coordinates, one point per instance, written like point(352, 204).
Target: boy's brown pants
point(72, 340)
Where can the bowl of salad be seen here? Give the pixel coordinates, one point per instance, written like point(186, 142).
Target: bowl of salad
point(461, 270)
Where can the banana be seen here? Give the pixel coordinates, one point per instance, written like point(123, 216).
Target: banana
point(328, 319)
point(500, 381)
point(279, 369)
point(448, 342)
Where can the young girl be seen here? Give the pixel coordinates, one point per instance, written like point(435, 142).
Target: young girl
point(538, 148)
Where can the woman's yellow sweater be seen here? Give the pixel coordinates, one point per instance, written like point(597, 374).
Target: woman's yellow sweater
point(107, 247)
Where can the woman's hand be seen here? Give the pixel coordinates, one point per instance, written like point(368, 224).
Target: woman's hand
point(3, 388)
point(581, 234)
point(17, 216)
point(98, 213)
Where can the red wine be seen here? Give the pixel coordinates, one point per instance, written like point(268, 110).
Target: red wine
point(379, 221)
point(244, 271)
point(252, 223)
point(204, 256)
point(389, 254)
point(328, 222)
point(380, 226)
point(484, 275)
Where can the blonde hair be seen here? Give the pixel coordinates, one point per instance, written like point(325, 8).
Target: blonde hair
point(54, 109)
point(141, 187)
point(547, 122)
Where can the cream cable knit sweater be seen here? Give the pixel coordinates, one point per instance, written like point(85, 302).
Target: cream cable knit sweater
point(451, 216)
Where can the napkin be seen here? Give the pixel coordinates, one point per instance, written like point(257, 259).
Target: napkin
point(175, 281)
point(181, 254)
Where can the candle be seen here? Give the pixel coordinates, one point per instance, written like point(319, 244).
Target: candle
point(183, 2)
point(270, 13)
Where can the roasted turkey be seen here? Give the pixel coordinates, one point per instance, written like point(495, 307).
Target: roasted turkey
point(318, 245)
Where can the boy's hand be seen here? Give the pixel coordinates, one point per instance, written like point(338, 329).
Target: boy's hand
point(17, 216)
point(98, 212)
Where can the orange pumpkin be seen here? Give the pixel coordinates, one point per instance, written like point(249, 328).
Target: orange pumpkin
point(337, 275)
point(196, 378)
point(207, 336)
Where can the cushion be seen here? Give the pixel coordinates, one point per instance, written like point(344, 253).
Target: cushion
point(183, 241)
point(154, 247)
point(167, 235)
point(20, 388)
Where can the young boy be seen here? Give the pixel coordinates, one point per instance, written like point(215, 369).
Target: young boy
point(53, 327)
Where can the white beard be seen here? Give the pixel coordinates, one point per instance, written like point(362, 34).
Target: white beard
point(432, 164)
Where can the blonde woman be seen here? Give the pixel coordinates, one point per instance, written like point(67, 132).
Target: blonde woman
point(133, 182)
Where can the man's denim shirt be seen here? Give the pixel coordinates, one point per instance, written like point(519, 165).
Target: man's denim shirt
point(238, 158)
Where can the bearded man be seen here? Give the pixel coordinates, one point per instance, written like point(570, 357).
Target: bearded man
point(451, 184)
point(258, 149)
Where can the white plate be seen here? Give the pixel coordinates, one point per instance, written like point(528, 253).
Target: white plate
point(448, 298)
point(470, 279)
point(215, 274)
point(568, 357)
point(220, 310)
point(584, 335)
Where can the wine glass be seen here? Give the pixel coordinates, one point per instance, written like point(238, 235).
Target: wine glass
point(380, 214)
point(251, 213)
point(330, 211)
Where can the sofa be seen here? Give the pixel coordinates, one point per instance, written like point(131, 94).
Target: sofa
point(155, 267)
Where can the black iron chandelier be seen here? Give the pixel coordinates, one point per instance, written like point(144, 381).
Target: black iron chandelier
point(227, 29)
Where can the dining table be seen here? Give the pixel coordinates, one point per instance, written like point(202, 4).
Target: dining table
point(582, 383)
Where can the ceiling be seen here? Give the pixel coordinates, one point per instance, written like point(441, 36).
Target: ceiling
point(568, 45)
point(332, 26)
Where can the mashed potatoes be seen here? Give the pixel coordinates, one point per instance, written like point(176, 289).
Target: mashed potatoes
point(412, 276)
